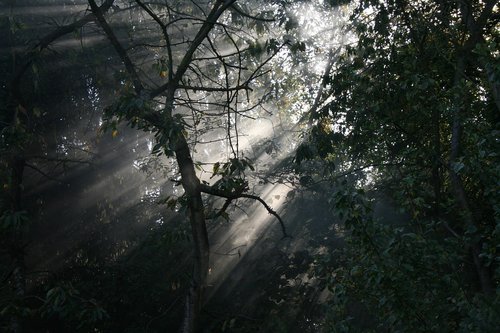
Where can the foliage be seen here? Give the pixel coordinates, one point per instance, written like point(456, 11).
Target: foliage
point(65, 303)
point(14, 221)
point(397, 98)
point(385, 115)
point(407, 280)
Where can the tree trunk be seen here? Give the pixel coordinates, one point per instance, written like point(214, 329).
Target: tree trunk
point(191, 185)
point(494, 82)
point(15, 243)
point(474, 27)
point(161, 122)
point(436, 163)
point(456, 181)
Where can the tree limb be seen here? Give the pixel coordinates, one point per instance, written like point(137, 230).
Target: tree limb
point(49, 39)
point(240, 11)
point(217, 10)
point(44, 173)
point(216, 89)
point(232, 196)
point(118, 47)
point(163, 27)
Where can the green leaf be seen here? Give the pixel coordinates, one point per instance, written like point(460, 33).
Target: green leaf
point(215, 169)
point(457, 167)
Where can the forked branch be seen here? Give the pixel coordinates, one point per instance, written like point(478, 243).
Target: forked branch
point(49, 39)
point(233, 196)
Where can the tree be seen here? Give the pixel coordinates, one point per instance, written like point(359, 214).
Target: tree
point(202, 42)
point(415, 101)
point(169, 128)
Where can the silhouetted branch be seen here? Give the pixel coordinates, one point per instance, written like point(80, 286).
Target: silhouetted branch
point(245, 14)
point(222, 210)
point(118, 47)
point(59, 159)
point(217, 10)
point(49, 39)
point(232, 196)
point(44, 173)
point(216, 89)
point(230, 252)
point(163, 27)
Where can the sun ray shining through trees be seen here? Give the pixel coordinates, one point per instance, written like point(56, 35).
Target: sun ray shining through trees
point(249, 166)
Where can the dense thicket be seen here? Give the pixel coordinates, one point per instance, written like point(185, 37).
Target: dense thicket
point(415, 100)
point(397, 108)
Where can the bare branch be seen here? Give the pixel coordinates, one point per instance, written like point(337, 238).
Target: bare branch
point(240, 11)
point(49, 39)
point(215, 89)
point(213, 16)
point(60, 159)
point(232, 196)
point(44, 173)
point(163, 27)
point(222, 210)
point(118, 47)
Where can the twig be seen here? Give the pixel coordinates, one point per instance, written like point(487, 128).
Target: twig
point(44, 174)
point(232, 196)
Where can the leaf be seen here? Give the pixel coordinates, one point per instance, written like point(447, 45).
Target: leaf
point(458, 166)
point(304, 152)
point(114, 133)
point(215, 168)
point(37, 112)
point(248, 163)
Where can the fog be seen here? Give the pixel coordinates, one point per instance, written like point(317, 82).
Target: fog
point(102, 199)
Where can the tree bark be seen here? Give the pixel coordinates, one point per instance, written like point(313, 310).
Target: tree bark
point(456, 181)
point(191, 185)
point(436, 163)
